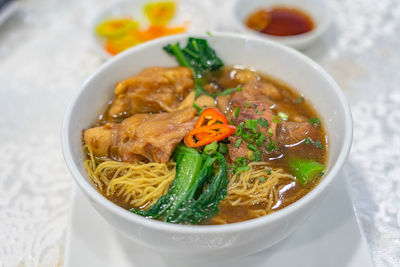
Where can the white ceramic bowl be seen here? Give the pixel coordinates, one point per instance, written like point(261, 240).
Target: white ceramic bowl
point(217, 241)
point(318, 10)
point(197, 14)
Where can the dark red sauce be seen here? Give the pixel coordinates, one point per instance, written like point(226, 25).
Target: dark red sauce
point(280, 21)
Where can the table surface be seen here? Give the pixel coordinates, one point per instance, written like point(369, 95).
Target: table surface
point(46, 52)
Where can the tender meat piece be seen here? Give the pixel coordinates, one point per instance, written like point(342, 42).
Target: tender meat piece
point(256, 110)
point(256, 91)
point(153, 137)
point(152, 90)
point(99, 139)
point(290, 133)
point(223, 102)
point(236, 152)
point(245, 76)
point(202, 101)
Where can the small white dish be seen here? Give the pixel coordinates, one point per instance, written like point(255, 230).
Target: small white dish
point(318, 10)
point(198, 15)
point(330, 237)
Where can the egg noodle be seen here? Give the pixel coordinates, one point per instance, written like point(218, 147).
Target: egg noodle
point(258, 189)
point(140, 184)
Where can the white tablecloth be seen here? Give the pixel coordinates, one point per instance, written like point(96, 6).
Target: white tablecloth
point(46, 52)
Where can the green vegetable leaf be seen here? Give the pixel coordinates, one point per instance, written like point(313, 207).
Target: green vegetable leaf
point(305, 170)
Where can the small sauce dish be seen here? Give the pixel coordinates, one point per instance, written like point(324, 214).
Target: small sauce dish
point(317, 11)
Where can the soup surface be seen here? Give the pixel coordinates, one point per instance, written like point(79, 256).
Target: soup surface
point(246, 146)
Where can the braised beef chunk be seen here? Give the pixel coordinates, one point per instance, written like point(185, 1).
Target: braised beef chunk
point(260, 112)
point(154, 89)
point(290, 133)
point(142, 136)
point(256, 91)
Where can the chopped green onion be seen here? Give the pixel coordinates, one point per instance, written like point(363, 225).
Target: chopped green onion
point(270, 132)
point(283, 116)
point(247, 104)
point(257, 111)
point(251, 125)
point(276, 119)
point(238, 142)
point(211, 148)
point(314, 121)
point(252, 147)
point(241, 169)
point(268, 171)
point(250, 155)
point(271, 146)
point(237, 110)
point(239, 88)
point(262, 179)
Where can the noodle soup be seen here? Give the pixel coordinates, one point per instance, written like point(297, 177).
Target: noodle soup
point(233, 146)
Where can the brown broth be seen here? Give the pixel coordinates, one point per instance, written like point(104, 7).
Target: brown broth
point(280, 21)
point(288, 104)
point(300, 111)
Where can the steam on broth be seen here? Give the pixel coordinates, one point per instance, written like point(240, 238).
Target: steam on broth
point(200, 144)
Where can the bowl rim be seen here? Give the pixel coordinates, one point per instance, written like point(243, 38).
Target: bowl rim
point(291, 40)
point(117, 211)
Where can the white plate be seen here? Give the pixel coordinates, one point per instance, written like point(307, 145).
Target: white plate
point(330, 237)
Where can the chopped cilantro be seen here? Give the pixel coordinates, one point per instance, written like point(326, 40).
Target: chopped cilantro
point(238, 142)
point(270, 132)
point(252, 147)
point(268, 171)
point(239, 88)
point(262, 179)
point(299, 100)
point(257, 111)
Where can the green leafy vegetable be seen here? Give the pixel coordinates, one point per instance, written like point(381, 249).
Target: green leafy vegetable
point(211, 148)
point(189, 199)
point(223, 148)
point(199, 57)
point(305, 170)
